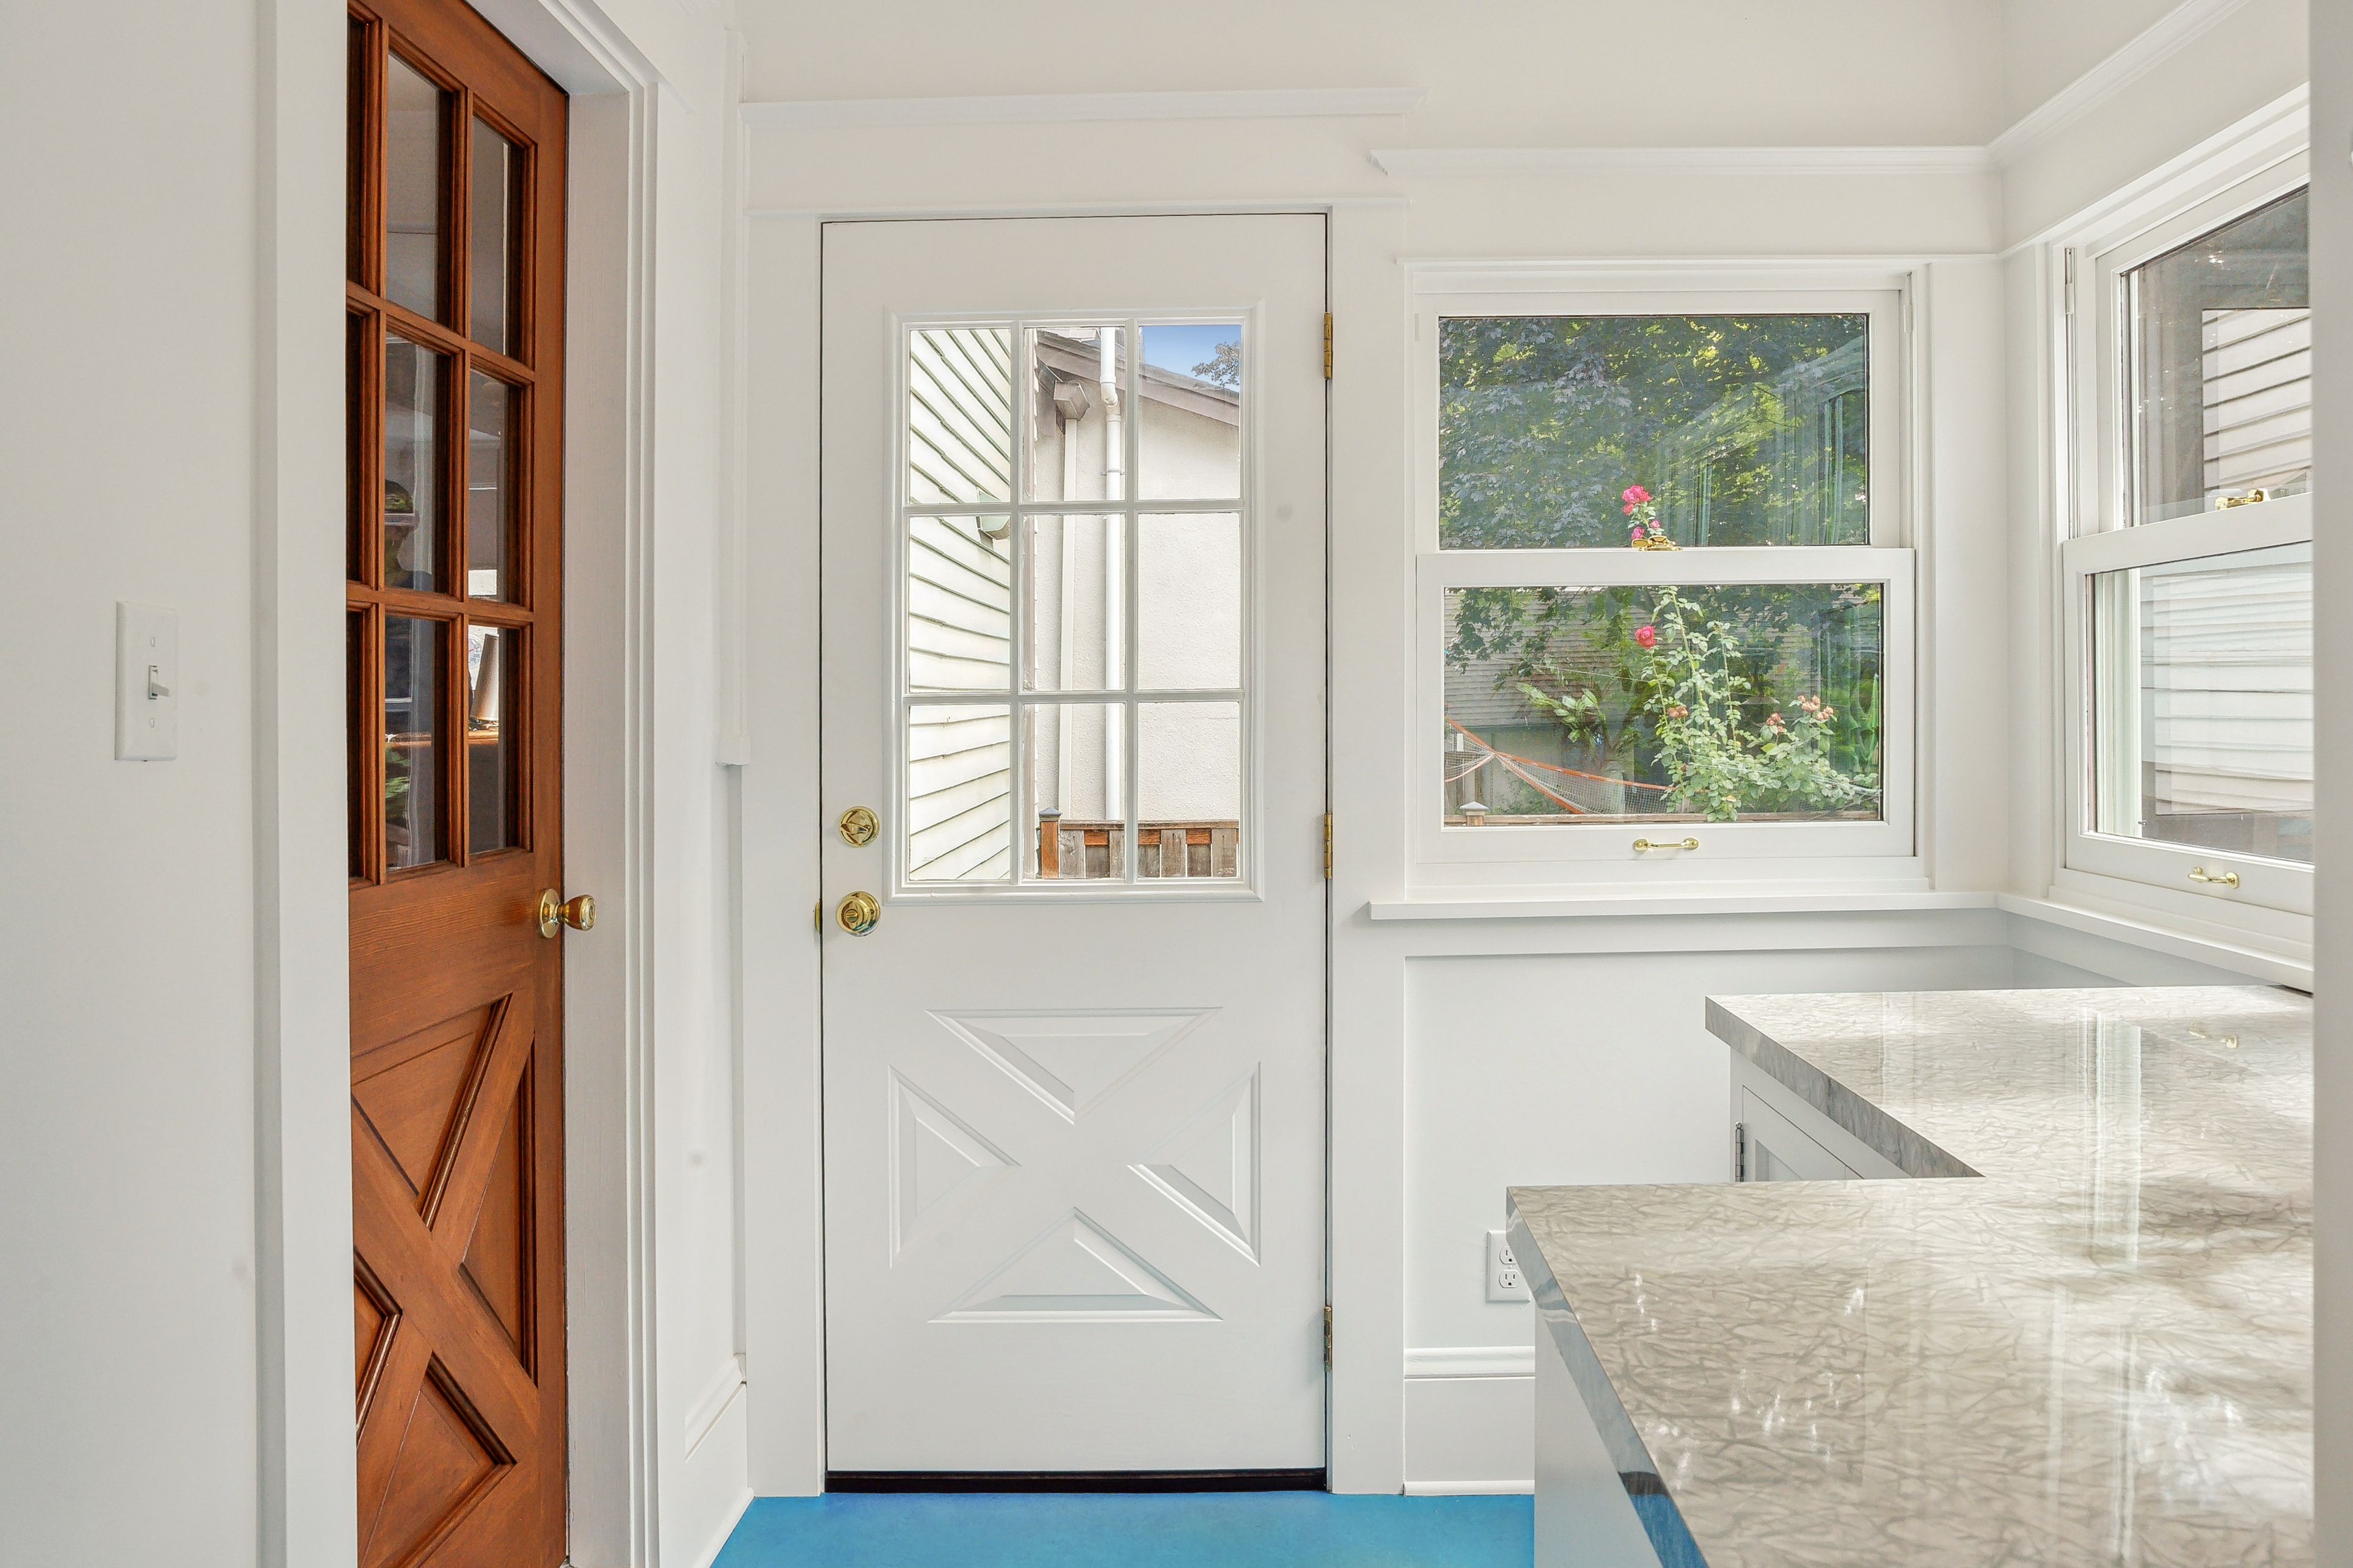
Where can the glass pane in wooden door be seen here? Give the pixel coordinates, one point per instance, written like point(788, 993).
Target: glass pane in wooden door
point(359, 392)
point(415, 187)
point(359, 820)
point(412, 741)
point(413, 379)
point(493, 718)
point(490, 427)
point(494, 270)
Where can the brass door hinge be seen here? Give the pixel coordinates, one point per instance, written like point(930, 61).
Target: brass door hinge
point(1327, 345)
point(1328, 1336)
point(1328, 846)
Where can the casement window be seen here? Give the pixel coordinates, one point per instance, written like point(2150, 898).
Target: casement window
point(1665, 587)
point(2187, 582)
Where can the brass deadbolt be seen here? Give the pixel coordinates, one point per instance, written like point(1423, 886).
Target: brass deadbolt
point(858, 826)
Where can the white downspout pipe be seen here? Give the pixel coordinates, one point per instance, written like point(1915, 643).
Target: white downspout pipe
point(1114, 569)
point(1065, 533)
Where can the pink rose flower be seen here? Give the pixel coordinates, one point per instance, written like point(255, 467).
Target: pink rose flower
point(1648, 636)
point(1635, 495)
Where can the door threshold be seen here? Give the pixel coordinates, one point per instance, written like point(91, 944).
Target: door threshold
point(1310, 1480)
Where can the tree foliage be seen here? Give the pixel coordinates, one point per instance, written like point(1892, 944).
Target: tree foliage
point(1224, 368)
point(1750, 429)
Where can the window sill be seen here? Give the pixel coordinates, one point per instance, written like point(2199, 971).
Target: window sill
point(2290, 964)
point(1554, 905)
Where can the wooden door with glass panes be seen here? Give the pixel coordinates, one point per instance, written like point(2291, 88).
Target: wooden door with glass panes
point(454, 335)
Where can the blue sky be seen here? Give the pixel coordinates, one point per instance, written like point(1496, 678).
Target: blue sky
point(1182, 346)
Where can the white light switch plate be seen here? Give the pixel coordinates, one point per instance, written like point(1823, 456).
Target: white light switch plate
point(146, 682)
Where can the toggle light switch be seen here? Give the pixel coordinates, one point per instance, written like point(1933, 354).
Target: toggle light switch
point(146, 682)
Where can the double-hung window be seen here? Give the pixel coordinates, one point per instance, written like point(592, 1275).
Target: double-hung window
point(1665, 592)
point(2187, 578)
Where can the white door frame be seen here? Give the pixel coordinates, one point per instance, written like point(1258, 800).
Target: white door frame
point(306, 1478)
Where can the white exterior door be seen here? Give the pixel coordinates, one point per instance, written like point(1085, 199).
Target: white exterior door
point(1073, 598)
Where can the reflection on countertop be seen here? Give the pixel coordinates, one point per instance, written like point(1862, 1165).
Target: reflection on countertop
point(2097, 1351)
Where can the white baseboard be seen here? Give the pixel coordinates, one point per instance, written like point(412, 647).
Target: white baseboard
point(719, 1542)
point(1471, 1432)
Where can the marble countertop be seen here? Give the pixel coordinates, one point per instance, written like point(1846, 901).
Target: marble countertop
point(2095, 1349)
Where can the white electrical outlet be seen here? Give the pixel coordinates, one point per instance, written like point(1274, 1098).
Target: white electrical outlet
point(1505, 1280)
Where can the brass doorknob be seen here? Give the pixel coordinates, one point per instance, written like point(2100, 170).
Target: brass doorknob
point(556, 911)
point(857, 913)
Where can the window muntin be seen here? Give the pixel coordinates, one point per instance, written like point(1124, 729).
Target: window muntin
point(2219, 364)
point(2202, 709)
point(1746, 429)
point(1074, 665)
point(1663, 704)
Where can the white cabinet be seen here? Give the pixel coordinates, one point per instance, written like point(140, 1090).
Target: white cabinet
point(1777, 1136)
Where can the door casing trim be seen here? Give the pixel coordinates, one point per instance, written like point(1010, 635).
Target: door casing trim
point(306, 1484)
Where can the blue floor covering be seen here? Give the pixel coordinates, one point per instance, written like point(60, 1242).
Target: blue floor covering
point(1182, 1530)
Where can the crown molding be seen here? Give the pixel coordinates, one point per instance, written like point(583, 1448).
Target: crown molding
point(1041, 108)
point(1789, 160)
point(2276, 134)
point(2169, 36)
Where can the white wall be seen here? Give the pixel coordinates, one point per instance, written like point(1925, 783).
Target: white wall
point(175, 1274)
point(127, 953)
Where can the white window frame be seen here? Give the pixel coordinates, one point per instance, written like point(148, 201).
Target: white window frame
point(2272, 897)
point(1598, 858)
point(1243, 886)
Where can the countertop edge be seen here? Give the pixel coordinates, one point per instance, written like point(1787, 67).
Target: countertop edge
point(1905, 1148)
point(1638, 1472)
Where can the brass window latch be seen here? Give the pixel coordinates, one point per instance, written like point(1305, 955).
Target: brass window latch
point(1644, 845)
point(2220, 879)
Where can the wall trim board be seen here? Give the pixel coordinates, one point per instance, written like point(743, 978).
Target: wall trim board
point(305, 1477)
point(1641, 906)
point(1470, 1436)
point(1657, 274)
point(1186, 207)
point(2280, 969)
point(1072, 108)
point(712, 1403)
point(1849, 931)
point(1471, 1360)
point(719, 1538)
point(1492, 161)
point(304, 1464)
point(2169, 36)
point(610, 809)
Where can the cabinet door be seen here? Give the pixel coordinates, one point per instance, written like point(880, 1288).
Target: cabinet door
point(1777, 1152)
